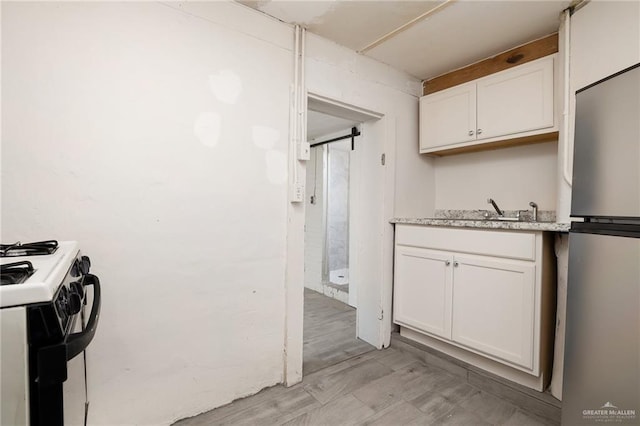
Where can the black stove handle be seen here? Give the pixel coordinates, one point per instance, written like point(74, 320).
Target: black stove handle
point(77, 342)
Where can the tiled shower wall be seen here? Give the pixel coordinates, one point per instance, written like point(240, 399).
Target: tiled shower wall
point(314, 230)
point(338, 208)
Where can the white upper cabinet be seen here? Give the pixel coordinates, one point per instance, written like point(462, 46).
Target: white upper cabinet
point(515, 103)
point(448, 117)
point(516, 100)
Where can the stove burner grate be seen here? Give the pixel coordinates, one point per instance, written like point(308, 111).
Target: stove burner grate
point(15, 273)
point(28, 249)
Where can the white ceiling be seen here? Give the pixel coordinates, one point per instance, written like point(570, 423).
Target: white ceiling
point(320, 124)
point(454, 34)
point(326, 116)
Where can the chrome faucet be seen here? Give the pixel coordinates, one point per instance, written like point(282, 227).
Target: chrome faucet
point(534, 216)
point(495, 206)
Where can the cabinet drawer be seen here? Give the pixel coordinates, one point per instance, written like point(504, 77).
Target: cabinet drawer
point(515, 245)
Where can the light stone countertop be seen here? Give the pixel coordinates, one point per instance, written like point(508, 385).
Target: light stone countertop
point(485, 224)
point(475, 219)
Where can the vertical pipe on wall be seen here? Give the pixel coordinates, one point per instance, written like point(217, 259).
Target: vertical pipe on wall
point(300, 148)
point(296, 108)
point(563, 204)
point(302, 113)
point(566, 20)
point(325, 211)
point(294, 266)
point(563, 185)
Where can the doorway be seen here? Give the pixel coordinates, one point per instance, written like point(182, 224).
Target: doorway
point(327, 216)
point(333, 243)
point(337, 230)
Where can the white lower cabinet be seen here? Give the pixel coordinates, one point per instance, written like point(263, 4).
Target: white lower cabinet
point(494, 300)
point(489, 310)
point(424, 299)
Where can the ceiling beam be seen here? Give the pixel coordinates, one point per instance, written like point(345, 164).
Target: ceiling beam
point(406, 26)
point(536, 49)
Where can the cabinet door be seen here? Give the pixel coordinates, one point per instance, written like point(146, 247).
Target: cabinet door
point(448, 117)
point(516, 100)
point(493, 307)
point(422, 290)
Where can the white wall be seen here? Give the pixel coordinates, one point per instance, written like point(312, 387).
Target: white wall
point(511, 176)
point(605, 39)
point(339, 73)
point(158, 139)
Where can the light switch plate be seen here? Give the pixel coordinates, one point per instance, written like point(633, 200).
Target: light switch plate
point(297, 193)
point(304, 151)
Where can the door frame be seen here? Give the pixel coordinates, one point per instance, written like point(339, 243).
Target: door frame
point(294, 269)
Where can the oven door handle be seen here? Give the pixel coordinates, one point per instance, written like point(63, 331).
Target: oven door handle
point(77, 342)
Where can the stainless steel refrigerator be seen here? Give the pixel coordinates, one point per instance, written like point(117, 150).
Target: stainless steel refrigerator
point(602, 355)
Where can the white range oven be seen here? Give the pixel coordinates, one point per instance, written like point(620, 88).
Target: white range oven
point(49, 312)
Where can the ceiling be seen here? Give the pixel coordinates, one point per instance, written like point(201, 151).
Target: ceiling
point(320, 124)
point(325, 116)
point(422, 38)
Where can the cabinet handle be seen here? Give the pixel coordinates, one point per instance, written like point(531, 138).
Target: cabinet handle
point(479, 131)
point(447, 263)
point(455, 264)
point(470, 132)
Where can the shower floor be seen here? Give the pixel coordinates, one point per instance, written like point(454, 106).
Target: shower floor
point(339, 276)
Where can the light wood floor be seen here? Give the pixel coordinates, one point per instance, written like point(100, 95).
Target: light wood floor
point(394, 386)
point(329, 332)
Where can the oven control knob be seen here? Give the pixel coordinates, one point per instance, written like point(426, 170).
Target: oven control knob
point(75, 269)
point(62, 303)
point(77, 288)
point(85, 264)
point(61, 307)
point(75, 303)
